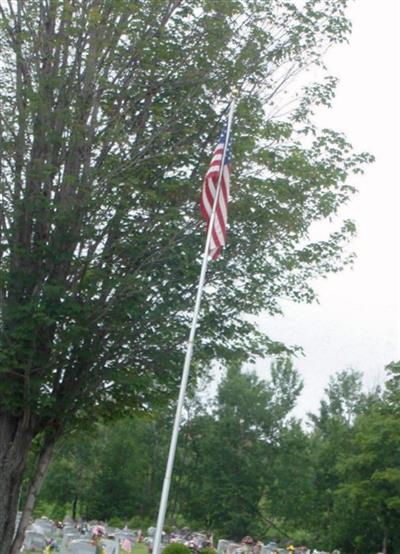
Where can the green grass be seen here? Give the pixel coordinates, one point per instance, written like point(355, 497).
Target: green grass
point(139, 548)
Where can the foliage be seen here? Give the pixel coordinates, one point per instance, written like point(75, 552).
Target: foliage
point(140, 522)
point(112, 130)
point(370, 479)
point(125, 474)
point(115, 473)
point(71, 476)
point(290, 483)
point(393, 387)
point(245, 462)
point(221, 464)
point(208, 550)
point(176, 548)
point(116, 522)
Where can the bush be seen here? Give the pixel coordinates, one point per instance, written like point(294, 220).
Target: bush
point(176, 548)
point(116, 522)
point(139, 522)
point(208, 550)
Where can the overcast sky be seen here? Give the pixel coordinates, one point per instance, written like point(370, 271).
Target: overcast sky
point(357, 322)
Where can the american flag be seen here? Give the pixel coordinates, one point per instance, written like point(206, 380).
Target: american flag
point(218, 234)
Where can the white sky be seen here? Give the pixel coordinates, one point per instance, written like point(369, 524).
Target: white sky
point(357, 322)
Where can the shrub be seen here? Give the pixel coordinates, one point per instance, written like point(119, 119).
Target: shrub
point(116, 522)
point(208, 550)
point(176, 548)
point(139, 522)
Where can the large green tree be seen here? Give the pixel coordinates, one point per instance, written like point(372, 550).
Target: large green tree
point(108, 111)
point(289, 491)
point(243, 466)
point(368, 497)
point(224, 461)
point(331, 435)
point(74, 467)
point(116, 472)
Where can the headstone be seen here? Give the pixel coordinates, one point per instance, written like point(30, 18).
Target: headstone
point(199, 539)
point(68, 528)
point(34, 540)
point(270, 547)
point(266, 550)
point(222, 546)
point(122, 535)
point(81, 546)
point(67, 538)
point(111, 546)
point(45, 525)
point(232, 548)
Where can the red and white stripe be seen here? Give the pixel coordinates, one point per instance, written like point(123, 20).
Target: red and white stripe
point(219, 230)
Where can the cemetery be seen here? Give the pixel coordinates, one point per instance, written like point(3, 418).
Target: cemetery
point(45, 536)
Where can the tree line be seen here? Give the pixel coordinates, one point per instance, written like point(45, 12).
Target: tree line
point(246, 466)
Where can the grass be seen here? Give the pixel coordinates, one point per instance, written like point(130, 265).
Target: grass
point(139, 548)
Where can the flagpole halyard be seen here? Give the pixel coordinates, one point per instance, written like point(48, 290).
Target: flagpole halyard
point(189, 350)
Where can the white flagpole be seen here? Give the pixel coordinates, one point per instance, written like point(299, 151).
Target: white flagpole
point(189, 352)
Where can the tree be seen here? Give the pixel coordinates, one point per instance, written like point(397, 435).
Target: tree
point(289, 492)
point(108, 109)
point(393, 387)
point(115, 471)
point(130, 470)
point(370, 484)
point(369, 474)
point(223, 465)
point(330, 438)
point(70, 476)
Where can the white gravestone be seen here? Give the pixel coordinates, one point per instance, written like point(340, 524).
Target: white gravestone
point(81, 546)
point(34, 540)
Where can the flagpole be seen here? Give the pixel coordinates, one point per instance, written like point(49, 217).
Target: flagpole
point(189, 352)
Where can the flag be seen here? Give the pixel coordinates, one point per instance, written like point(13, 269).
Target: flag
point(219, 231)
point(126, 545)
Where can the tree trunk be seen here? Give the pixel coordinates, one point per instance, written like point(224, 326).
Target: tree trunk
point(15, 441)
point(385, 541)
point(42, 465)
point(74, 506)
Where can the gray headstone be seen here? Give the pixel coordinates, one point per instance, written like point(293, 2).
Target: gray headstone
point(121, 535)
point(232, 548)
point(34, 540)
point(111, 545)
point(222, 546)
point(81, 546)
point(67, 538)
point(45, 525)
